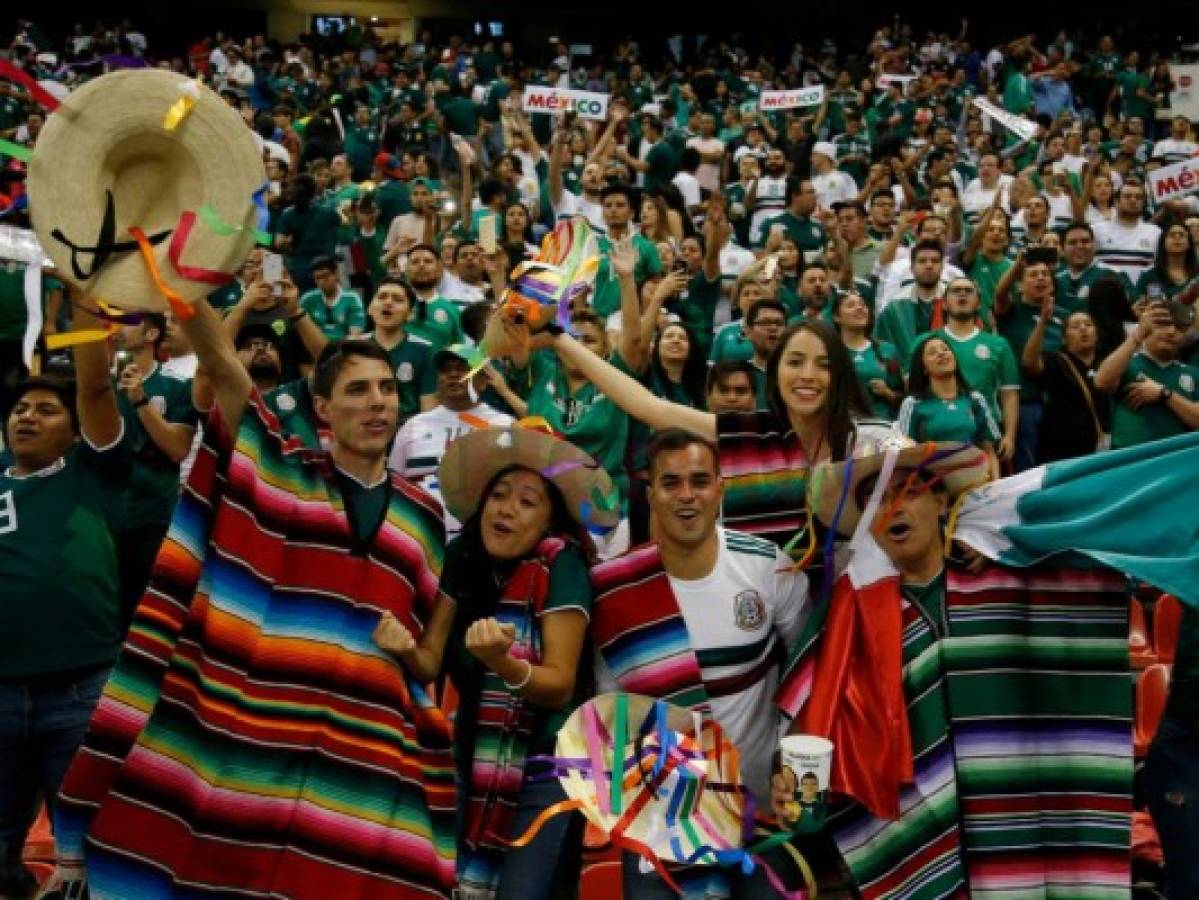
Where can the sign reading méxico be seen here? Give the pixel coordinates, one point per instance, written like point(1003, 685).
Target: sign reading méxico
point(809, 96)
point(588, 104)
point(1173, 181)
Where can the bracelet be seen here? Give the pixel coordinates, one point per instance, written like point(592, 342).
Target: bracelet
point(293, 319)
point(1165, 395)
point(142, 402)
point(524, 681)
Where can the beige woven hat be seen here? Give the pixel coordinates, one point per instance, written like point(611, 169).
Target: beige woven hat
point(107, 161)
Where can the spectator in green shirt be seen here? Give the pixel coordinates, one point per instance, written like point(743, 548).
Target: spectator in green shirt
point(337, 312)
point(659, 163)
point(305, 230)
point(1133, 85)
point(411, 356)
point(61, 503)
point(1158, 394)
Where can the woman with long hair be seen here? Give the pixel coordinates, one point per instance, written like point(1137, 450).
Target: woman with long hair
point(655, 221)
point(1099, 195)
point(518, 230)
point(875, 362)
point(1175, 268)
point(509, 628)
point(940, 406)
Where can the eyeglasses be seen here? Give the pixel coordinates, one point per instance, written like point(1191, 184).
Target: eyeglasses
point(257, 344)
point(768, 323)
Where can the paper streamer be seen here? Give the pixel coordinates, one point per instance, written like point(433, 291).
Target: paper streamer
point(620, 731)
point(16, 151)
point(43, 97)
point(187, 222)
point(219, 226)
point(189, 94)
point(33, 311)
point(86, 336)
point(181, 308)
point(264, 214)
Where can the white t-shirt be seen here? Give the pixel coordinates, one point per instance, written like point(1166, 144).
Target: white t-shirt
point(571, 204)
point(771, 201)
point(454, 288)
point(976, 198)
point(749, 608)
point(1173, 151)
point(1127, 250)
point(708, 173)
point(688, 186)
point(406, 225)
point(834, 186)
point(896, 280)
point(422, 442)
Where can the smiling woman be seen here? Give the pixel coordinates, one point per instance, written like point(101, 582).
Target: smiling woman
point(510, 625)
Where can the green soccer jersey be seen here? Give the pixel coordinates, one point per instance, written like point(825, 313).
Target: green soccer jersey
point(58, 562)
point(412, 359)
point(1155, 284)
point(393, 200)
point(808, 234)
point(13, 313)
point(853, 155)
point(1130, 82)
point(361, 143)
point(335, 319)
point(731, 343)
point(605, 298)
point(1152, 421)
point(901, 323)
point(154, 481)
point(226, 296)
point(877, 361)
point(964, 419)
point(440, 324)
point(292, 405)
point(314, 233)
point(1074, 292)
point(986, 275)
point(586, 417)
point(987, 363)
point(1018, 325)
point(696, 308)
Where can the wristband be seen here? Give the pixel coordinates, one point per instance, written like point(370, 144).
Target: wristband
point(524, 681)
point(293, 319)
point(1165, 395)
point(142, 402)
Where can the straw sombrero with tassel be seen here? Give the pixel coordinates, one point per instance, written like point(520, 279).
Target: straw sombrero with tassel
point(145, 189)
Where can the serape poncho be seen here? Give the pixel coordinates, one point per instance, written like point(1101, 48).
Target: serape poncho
point(253, 740)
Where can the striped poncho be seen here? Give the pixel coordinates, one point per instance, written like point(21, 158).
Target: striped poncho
point(252, 740)
point(1020, 733)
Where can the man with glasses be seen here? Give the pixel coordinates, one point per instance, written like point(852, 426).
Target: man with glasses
point(765, 322)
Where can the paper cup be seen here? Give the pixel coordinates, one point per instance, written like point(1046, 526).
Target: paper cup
point(807, 755)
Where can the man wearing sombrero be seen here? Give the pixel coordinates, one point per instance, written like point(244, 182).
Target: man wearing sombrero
point(981, 714)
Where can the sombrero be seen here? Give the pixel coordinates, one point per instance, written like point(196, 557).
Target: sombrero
point(473, 459)
point(676, 794)
point(150, 150)
point(833, 491)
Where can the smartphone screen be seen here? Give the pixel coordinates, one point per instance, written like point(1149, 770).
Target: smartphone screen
point(272, 268)
point(488, 233)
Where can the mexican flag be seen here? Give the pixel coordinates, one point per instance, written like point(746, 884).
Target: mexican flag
point(1134, 510)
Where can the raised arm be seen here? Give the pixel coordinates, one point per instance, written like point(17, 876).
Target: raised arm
point(1107, 376)
point(96, 401)
point(231, 384)
point(1033, 358)
point(1003, 290)
point(633, 349)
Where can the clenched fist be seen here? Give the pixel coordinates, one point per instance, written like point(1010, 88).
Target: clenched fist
point(488, 641)
point(392, 636)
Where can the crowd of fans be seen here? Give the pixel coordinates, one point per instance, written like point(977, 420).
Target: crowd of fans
point(942, 272)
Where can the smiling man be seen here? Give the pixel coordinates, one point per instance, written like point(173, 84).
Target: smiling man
point(699, 617)
point(254, 670)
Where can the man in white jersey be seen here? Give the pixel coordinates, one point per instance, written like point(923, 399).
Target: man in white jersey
point(1128, 243)
point(832, 185)
point(980, 192)
point(770, 197)
point(1178, 146)
point(739, 598)
point(422, 441)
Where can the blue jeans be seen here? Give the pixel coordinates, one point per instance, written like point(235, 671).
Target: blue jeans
point(1171, 782)
point(42, 723)
point(638, 885)
point(1027, 432)
point(548, 866)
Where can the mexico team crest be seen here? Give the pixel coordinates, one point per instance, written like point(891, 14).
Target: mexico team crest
point(749, 611)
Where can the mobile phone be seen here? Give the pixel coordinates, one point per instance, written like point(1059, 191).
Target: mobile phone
point(678, 266)
point(487, 233)
point(272, 268)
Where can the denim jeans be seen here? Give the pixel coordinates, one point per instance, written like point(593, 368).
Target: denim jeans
point(1028, 430)
point(42, 723)
point(548, 866)
point(1171, 782)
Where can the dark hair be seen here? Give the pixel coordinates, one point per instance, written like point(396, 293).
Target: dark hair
point(918, 380)
point(62, 388)
point(668, 440)
point(1110, 308)
point(461, 244)
point(323, 262)
point(751, 314)
point(1190, 260)
point(476, 588)
point(921, 246)
point(587, 317)
point(474, 319)
point(528, 232)
point(722, 369)
point(689, 159)
point(492, 188)
point(303, 191)
point(624, 190)
point(1078, 226)
point(844, 393)
point(694, 366)
point(883, 194)
point(157, 321)
point(416, 309)
point(334, 358)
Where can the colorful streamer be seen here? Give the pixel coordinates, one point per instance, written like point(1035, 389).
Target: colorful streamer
point(187, 222)
point(44, 98)
point(189, 95)
point(219, 226)
point(16, 151)
point(181, 308)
